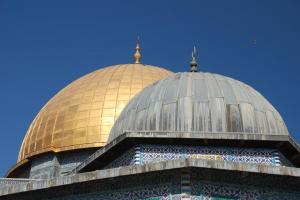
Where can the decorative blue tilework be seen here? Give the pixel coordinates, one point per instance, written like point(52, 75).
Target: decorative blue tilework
point(147, 153)
point(126, 159)
point(154, 153)
point(228, 186)
point(207, 190)
point(166, 186)
point(157, 186)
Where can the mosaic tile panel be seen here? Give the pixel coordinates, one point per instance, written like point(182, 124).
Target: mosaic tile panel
point(210, 191)
point(154, 186)
point(126, 159)
point(166, 186)
point(159, 192)
point(204, 187)
point(151, 153)
point(147, 153)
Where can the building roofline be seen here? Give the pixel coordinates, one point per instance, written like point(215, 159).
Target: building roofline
point(246, 169)
point(112, 150)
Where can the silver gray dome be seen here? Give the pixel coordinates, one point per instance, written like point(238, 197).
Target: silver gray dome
point(199, 102)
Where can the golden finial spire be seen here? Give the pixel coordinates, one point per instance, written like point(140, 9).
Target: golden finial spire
point(137, 54)
point(194, 62)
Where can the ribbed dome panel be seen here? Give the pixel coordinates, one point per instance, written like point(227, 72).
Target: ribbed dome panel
point(199, 102)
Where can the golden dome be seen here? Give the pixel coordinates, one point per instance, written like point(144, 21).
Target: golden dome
point(82, 114)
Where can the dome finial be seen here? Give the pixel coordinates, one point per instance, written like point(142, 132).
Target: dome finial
point(194, 62)
point(137, 54)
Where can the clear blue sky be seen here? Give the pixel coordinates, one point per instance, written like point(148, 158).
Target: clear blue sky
point(44, 45)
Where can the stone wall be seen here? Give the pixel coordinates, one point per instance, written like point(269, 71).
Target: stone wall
point(7, 182)
point(44, 167)
point(51, 165)
point(69, 160)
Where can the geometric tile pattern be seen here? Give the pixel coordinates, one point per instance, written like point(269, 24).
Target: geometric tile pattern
point(166, 186)
point(211, 191)
point(125, 159)
point(162, 186)
point(206, 191)
point(148, 153)
point(154, 153)
point(230, 187)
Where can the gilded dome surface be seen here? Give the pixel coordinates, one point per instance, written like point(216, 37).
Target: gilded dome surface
point(199, 102)
point(82, 114)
